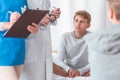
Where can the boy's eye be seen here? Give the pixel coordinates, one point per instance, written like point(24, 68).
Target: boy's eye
point(82, 21)
point(76, 20)
point(79, 21)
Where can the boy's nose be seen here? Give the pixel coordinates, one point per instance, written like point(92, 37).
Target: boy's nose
point(79, 23)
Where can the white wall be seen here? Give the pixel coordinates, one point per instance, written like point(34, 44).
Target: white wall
point(98, 13)
point(64, 24)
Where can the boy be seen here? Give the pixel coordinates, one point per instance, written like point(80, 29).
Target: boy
point(104, 47)
point(73, 55)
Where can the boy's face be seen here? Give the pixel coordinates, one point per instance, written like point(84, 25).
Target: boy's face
point(80, 24)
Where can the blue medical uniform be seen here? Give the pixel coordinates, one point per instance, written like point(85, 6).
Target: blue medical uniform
point(12, 50)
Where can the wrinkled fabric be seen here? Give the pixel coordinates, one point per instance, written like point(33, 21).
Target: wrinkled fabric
point(73, 53)
point(104, 53)
point(38, 62)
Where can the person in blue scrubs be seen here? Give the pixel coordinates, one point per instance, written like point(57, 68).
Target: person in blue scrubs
point(12, 50)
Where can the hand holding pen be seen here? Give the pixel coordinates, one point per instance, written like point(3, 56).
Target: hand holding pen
point(14, 16)
point(54, 13)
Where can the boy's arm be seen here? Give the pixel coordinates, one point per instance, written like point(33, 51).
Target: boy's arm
point(84, 70)
point(61, 55)
point(58, 70)
point(59, 60)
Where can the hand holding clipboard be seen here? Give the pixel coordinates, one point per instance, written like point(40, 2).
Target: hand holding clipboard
point(19, 29)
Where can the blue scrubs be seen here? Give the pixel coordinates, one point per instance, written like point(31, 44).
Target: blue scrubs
point(12, 50)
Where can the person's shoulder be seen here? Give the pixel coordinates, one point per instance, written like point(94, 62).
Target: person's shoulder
point(106, 41)
point(66, 34)
point(94, 34)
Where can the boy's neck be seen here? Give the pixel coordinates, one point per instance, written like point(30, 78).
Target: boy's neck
point(116, 22)
point(79, 34)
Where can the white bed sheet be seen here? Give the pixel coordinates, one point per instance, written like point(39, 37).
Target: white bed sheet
point(57, 77)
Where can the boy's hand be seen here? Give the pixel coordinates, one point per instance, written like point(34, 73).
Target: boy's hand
point(87, 73)
point(73, 73)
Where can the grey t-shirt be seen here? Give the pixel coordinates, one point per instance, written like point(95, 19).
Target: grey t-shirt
point(104, 53)
point(73, 53)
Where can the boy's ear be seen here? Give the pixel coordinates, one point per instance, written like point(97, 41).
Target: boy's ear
point(88, 25)
point(111, 13)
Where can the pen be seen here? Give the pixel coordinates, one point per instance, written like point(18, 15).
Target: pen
point(50, 13)
point(10, 12)
point(23, 9)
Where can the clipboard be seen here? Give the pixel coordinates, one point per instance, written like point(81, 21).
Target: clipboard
point(19, 28)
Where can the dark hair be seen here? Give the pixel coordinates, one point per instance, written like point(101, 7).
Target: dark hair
point(84, 14)
point(115, 5)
